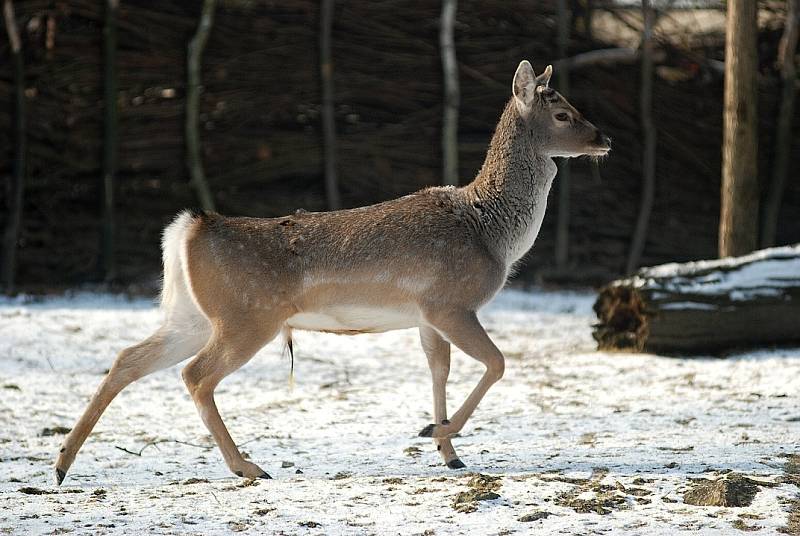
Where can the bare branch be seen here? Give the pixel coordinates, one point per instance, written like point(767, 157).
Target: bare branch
point(451, 93)
point(195, 161)
point(11, 26)
point(649, 133)
point(328, 116)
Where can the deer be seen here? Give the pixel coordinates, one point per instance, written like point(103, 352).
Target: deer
point(429, 260)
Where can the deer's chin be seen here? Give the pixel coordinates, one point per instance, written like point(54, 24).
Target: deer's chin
point(598, 151)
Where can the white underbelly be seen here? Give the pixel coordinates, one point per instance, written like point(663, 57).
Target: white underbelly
point(355, 319)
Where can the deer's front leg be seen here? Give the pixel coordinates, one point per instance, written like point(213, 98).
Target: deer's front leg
point(438, 352)
point(463, 329)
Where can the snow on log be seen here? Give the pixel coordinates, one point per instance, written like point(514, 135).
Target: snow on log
point(704, 306)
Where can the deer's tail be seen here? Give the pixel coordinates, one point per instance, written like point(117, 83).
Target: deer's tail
point(177, 300)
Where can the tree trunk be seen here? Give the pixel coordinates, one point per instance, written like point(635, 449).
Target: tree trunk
point(649, 150)
point(582, 17)
point(328, 116)
point(17, 184)
point(451, 93)
point(705, 306)
point(783, 143)
point(107, 264)
point(194, 61)
point(738, 229)
point(562, 222)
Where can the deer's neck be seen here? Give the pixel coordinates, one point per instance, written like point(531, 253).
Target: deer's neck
point(510, 191)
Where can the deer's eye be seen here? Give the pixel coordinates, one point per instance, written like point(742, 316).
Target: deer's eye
point(561, 116)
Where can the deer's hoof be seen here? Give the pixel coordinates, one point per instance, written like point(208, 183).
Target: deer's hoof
point(60, 476)
point(456, 464)
point(427, 431)
point(250, 470)
point(265, 476)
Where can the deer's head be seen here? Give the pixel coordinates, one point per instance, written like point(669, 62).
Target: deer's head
point(558, 128)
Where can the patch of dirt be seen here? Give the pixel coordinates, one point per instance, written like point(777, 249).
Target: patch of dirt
point(676, 449)
point(741, 525)
point(589, 438)
point(246, 483)
point(424, 489)
point(792, 475)
point(55, 430)
point(534, 516)
point(481, 488)
point(237, 526)
point(192, 480)
point(566, 479)
point(414, 452)
point(591, 496)
point(732, 490)
point(604, 500)
point(29, 490)
point(791, 469)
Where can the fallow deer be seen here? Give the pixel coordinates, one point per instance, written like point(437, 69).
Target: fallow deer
point(428, 260)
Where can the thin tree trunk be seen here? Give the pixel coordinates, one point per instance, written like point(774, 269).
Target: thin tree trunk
point(738, 229)
point(107, 264)
point(328, 116)
point(562, 223)
point(649, 151)
point(17, 185)
point(783, 143)
point(588, 19)
point(581, 17)
point(195, 53)
point(451, 93)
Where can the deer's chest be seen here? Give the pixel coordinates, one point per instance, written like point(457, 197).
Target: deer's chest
point(527, 224)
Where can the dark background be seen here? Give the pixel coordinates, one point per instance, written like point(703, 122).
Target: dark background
point(262, 141)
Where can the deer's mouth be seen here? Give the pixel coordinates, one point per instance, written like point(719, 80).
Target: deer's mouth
point(600, 146)
point(599, 151)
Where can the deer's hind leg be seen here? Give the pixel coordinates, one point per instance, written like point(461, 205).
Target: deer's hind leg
point(231, 346)
point(437, 351)
point(168, 346)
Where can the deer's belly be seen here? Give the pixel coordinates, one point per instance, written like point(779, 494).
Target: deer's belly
point(354, 319)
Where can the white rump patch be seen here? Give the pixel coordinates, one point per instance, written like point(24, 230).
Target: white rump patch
point(177, 302)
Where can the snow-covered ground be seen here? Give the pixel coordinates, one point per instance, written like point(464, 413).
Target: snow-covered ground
point(567, 430)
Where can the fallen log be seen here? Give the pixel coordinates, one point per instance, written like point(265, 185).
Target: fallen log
point(704, 306)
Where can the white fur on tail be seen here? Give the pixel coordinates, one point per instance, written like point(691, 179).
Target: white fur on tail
point(177, 301)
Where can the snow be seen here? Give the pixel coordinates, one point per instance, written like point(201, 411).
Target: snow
point(762, 273)
point(564, 420)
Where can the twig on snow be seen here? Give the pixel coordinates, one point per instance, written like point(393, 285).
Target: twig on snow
point(157, 442)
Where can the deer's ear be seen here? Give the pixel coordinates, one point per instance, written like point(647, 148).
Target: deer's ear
point(544, 78)
point(524, 87)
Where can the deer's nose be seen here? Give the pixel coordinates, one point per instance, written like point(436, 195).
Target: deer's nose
point(602, 140)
